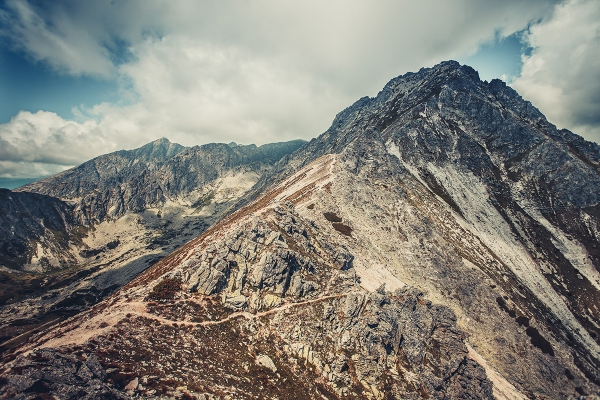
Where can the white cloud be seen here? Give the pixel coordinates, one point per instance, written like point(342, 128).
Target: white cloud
point(44, 137)
point(203, 93)
point(22, 169)
point(232, 71)
point(562, 75)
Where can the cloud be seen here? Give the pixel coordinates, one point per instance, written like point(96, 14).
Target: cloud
point(44, 137)
point(257, 72)
point(562, 75)
point(337, 40)
point(203, 93)
point(54, 40)
point(23, 170)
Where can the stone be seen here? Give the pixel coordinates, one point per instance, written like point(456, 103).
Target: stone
point(238, 302)
point(131, 386)
point(270, 301)
point(272, 237)
point(266, 361)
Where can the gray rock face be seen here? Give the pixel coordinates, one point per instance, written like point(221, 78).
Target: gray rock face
point(255, 262)
point(445, 114)
point(27, 217)
point(110, 185)
point(63, 376)
point(399, 345)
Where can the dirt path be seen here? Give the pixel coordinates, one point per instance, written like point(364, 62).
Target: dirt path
point(137, 310)
point(104, 322)
point(248, 315)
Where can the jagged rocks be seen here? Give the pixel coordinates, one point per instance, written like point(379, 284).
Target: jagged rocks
point(254, 266)
point(110, 185)
point(299, 287)
point(398, 345)
point(238, 302)
point(209, 279)
point(47, 372)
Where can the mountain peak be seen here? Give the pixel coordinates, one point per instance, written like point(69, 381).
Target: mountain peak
point(159, 150)
point(162, 140)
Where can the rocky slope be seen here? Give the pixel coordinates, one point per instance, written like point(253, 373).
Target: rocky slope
point(36, 232)
point(27, 217)
point(265, 304)
point(117, 214)
point(527, 191)
point(439, 240)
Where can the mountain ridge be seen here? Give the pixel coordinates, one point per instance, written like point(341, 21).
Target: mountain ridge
point(110, 185)
point(585, 150)
point(439, 240)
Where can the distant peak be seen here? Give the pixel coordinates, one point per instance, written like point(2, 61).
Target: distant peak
point(433, 77)
point(450, 63)
point(160, 149)
point(451, 67)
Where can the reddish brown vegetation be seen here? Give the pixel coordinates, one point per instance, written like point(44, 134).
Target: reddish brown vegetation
point(166, 289)
point(343, 229)
point(332, 217)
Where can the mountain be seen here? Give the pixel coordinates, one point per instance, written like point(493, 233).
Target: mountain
point(70, 240)
point(111, 185)
point(440, 240)
point(28, 216)
point(35, 228)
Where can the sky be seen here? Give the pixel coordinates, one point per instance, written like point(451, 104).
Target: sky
point(84, 78)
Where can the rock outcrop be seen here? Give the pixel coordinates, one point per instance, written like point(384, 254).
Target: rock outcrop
point(63, 376)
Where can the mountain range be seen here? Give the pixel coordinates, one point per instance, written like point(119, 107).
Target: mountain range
point(440, 240)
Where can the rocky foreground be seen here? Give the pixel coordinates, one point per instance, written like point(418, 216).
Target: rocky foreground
point(267, 304)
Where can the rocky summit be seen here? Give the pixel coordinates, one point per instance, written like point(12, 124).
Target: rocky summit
point(441, 240)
